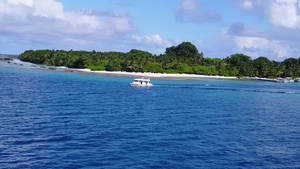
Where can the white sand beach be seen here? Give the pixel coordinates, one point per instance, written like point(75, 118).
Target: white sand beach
point(146, 74)
point(119, 73)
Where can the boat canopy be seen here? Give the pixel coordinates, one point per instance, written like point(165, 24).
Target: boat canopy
point(142, 79)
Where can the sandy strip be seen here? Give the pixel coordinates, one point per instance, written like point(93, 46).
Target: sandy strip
point(120, 73)
point(146, 74)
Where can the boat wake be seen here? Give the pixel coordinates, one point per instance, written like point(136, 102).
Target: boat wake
point(210, 88)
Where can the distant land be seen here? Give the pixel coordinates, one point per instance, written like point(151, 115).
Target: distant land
point(181, 59)
point(8, 55)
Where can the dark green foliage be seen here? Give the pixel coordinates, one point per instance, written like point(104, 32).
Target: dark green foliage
point(183, 68)
point(183, 58)
point(155, 68)
point(204, 70)
point(263, 67)
point(242, 63)
point(290, 67)
point(185, 52)
point(114, 65)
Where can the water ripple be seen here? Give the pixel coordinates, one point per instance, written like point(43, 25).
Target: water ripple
point(65, 120)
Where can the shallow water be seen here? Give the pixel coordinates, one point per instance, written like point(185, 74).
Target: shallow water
point(53, 119)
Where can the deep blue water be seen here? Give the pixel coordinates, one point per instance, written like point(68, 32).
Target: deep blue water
point(53, 119)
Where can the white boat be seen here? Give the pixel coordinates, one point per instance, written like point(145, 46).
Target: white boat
point(141, 82)
point(284, 80)
point(297, 80)
point(290, 80)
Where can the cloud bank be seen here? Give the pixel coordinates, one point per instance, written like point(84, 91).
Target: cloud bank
point(47, 19)
point(281, 40)
point(36, 24)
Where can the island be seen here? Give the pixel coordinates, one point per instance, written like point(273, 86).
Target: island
point(181, 59)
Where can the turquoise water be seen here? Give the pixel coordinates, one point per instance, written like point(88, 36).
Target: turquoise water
point(53, 119)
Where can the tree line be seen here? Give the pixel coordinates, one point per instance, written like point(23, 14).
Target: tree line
point(183, 58)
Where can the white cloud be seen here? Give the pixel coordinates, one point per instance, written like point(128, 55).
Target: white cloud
point(47, 18)
point(48, 9)
point(262, 45)
point(188, 5)
point(121, 24)
point(23, 2)
point(154, 43)
point(189, 11)
point(284, 13)
point(40, 24)
point(227, 43)
point(247, 4)
point(280, 40)
point(154, 39)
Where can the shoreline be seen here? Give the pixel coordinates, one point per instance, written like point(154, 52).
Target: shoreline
point(118, 73)
point(140, 74)
point(165, 75)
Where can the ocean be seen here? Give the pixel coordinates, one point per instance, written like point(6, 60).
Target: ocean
point(57, 119)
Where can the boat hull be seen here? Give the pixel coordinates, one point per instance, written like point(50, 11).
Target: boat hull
point(141, 85)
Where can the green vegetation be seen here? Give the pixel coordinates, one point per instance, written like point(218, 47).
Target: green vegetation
point(183, 58)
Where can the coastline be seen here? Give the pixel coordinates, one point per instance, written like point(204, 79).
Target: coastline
point(140, 74)
point(169, 76)
point(117, 73)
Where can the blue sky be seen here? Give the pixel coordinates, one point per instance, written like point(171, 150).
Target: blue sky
point(218, 28)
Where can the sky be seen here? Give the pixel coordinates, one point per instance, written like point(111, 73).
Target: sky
point(218, 28)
